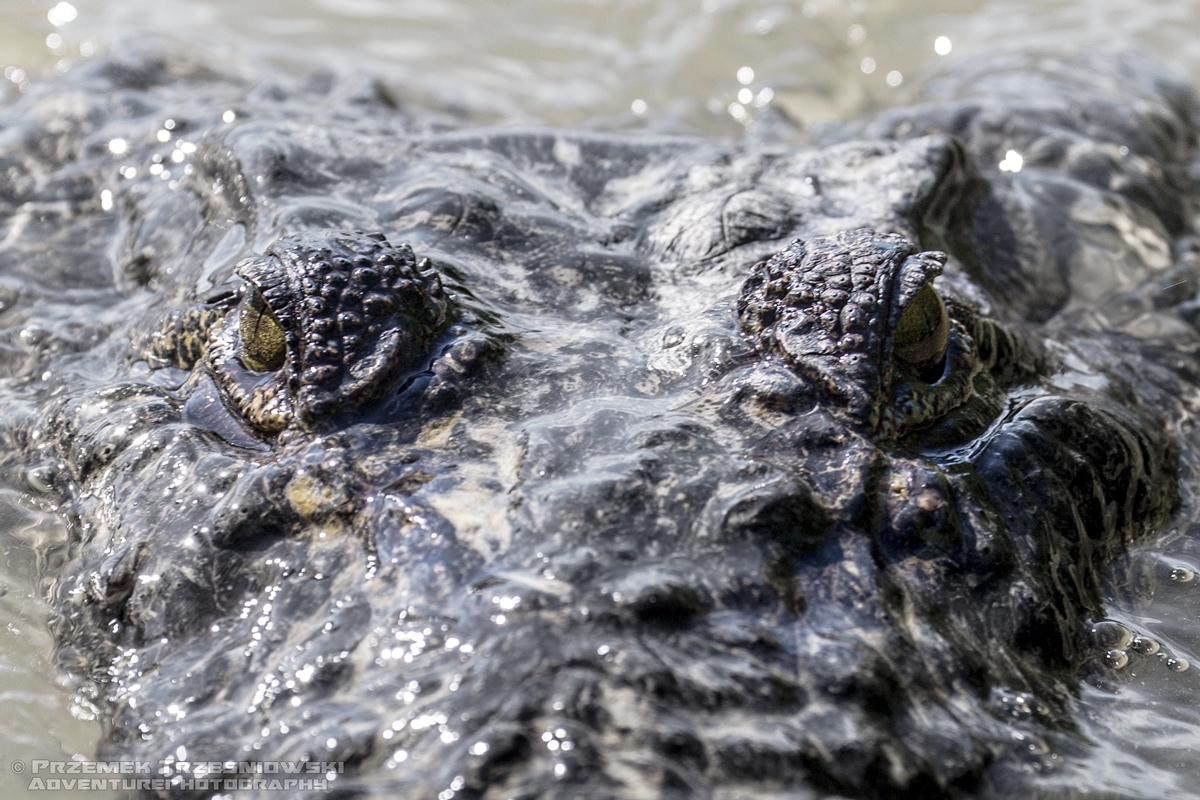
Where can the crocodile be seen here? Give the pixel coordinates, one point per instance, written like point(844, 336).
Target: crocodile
point(483, 462)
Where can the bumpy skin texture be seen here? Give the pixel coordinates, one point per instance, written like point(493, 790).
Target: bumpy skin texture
point(828, 307)
point(697, 534)
point(356, 313)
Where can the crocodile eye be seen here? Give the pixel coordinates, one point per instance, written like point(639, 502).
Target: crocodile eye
point(263, 344)
point(922, 334)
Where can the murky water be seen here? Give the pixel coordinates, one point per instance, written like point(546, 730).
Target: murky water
point(716, 67)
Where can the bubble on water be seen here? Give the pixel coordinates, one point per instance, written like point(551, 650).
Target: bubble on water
point(1018, 705)
point(1182, 575)
point(1177, 664)
point(1144, 645)
point(1116, 659)
point(1110, 635)
point(41, 479)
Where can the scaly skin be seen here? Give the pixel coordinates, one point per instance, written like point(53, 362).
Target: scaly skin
point(706, 526)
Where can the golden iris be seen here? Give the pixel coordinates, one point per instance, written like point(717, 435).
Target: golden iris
point(922, 335)
point(263, 345)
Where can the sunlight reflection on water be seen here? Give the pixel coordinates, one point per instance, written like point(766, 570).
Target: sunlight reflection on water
point(587, 62)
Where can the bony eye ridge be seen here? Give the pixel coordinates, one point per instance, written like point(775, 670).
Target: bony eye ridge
point(922, 336)
point(327, 322)
point(262, 342)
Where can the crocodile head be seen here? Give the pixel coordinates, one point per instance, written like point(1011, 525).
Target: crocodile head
point(732, 518)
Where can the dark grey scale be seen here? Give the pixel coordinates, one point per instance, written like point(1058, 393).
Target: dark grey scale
point(854, 318)
point(377, 304)
point(327, 350)
point(365, 276)
point(321, 373)
point(834, 297)
point(349, 321)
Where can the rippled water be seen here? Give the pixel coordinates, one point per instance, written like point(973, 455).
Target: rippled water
point(717, 67)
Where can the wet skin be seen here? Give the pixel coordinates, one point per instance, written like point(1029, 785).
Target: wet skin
point(523, 464)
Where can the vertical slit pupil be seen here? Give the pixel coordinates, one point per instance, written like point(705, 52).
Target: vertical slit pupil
point(263, 345)
point(922, 335)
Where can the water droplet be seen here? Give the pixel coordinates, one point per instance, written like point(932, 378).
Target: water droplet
point(1144, 645)
point(1116, 659)
point(1182, 575)
point(942, 46)
point(1013, 162)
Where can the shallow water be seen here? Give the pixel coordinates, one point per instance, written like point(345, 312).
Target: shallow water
point(714, 67)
